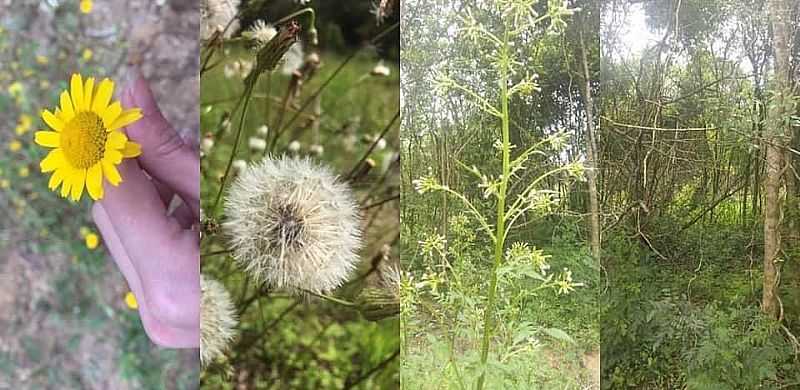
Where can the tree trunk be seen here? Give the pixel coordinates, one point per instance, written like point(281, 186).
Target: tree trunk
point(591, 153)
point(776, 140)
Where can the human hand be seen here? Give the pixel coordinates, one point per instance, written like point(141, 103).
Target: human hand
point(157, 252)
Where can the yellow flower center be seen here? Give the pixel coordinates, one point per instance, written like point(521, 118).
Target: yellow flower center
point(84, 140)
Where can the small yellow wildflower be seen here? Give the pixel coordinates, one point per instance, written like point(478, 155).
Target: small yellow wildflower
point(15, 89)
point(84, 231)
point(25, 122)
point(87, 54)
point(42, 60)
point(5, 184)
point(92, 240)
point(86, 6)
point(23, 172)
point(130, 301)
point(27, 72)
point(14, 146)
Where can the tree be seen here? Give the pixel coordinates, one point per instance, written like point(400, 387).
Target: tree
point(776, 139)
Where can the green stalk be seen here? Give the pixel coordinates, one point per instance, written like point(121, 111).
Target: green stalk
point(488, 320)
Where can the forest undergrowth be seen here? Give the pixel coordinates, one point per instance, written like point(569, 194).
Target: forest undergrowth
point(692, 319)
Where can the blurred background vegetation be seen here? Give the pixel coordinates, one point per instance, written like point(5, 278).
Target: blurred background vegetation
point(348, 109)
point(63, 319)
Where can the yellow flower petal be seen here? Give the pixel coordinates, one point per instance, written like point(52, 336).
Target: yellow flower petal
point(66, 184)
point(54, 160)
point(130, 301)
point(67, 112)
point(86, 6)
point(78, 182)
point(54, 122)
point(111, 173)
point(113, 156)
point(103, 96)
point(88, 91)
point(111, 114)
point(56, 179)
point(49, 139)
point(116, 140)
point(92, 240)
point(76, 87)
point(132, 149)
point(126, 118)
point(94, 182)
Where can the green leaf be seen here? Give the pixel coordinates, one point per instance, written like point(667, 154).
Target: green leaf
point(559, 334)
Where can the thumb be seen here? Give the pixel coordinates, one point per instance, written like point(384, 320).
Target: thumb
point(164, 154)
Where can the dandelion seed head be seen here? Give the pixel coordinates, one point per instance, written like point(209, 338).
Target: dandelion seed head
point(215, 16)
point(217, 319)
point(293, 225)
point(262, 32)
point(293, 59)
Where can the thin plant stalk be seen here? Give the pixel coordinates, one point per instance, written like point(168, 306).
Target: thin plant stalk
point(488, 320)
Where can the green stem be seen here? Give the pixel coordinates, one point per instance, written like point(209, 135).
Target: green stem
point(237, 140)
point(331, 299)
point(488, 320)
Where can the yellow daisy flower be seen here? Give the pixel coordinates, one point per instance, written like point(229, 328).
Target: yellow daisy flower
point(92, 240)
point(24, 124)
point(130, 301)
point(87, 139)
point(86, 6)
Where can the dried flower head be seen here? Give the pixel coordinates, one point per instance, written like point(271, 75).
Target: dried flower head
point(292, 224)
point(261, 32)
point(217, 319)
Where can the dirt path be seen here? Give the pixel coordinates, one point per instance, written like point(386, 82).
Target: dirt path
point(591, 361)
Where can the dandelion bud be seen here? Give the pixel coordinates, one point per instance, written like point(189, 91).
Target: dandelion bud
point(294, 146)
point(363, 170)
point(316, 150)
point(313, 36)
point(313, 58)
point(217, 320)
point(378, 303)
point(272, 52)
point(262, 130)
point(206, 144)
point(381, 144)
point(293, 225)
point(257, 144)
point(239, 165)
point(381, 70)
